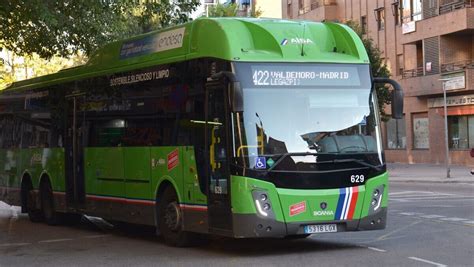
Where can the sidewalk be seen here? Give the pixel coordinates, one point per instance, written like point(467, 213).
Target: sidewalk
point(428, 173)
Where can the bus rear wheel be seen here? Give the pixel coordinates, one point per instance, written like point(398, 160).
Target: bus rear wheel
point(170, 220)
point(50, 215)
point(34, 214)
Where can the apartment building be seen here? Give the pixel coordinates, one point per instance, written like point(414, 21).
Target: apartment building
point(428, 45)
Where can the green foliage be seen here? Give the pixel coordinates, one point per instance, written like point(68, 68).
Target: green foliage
point(256, 11)
point(14, 68)
point(231, 10)
point(378, 67)
point(65, 27)
point(223, 10)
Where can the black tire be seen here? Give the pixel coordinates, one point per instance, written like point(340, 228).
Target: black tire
point(170, 221)
point(70, 218)
point(34, 214)
point(50, 215)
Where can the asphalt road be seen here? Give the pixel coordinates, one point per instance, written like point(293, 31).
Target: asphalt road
point(429, 225)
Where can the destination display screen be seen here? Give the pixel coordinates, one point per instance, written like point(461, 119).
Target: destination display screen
point(303, 75)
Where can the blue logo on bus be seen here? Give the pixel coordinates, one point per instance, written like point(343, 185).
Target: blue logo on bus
point(284, 42)
point(260, 163)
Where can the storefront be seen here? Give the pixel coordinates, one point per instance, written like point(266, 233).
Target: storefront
point(419, 137)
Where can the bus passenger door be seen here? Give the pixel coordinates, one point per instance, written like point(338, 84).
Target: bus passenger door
point(219, 207)
point(74, 142)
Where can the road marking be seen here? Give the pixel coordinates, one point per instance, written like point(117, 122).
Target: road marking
point(431, 197)
point(410, 213)
point(469, 222)
point(427, 261)
point(14, 244)
point(453, 219)
point(96, 236)
point(415, 193)
point(432, 216)
point(55, 240)
point(383, 237)
point(377, 249)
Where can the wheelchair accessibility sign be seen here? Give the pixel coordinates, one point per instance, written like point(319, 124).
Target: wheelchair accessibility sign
point(260, 163)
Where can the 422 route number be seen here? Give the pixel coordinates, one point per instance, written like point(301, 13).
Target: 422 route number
point(356, 179)
point(261, 77)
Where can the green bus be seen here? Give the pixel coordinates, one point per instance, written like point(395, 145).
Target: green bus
point(229, 126)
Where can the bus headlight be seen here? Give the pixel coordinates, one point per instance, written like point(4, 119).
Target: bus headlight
point(263, 204)
point(376, 193)
point(376, 201)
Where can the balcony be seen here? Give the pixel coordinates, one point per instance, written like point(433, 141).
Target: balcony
point(455, 21)
point(319, 10)
point(321, 3)
point(446, 6)
point(412, 73)
point(457, 66)
point(414, 83)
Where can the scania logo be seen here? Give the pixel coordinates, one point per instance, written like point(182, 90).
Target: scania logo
point(323, 205)
point(323, 213)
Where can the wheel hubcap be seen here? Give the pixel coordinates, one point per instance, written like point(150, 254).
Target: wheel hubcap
point(172, 216)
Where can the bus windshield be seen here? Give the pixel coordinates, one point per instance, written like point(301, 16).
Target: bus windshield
point(308, 112)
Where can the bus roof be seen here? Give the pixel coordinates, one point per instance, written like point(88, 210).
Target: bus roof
point(235, 39)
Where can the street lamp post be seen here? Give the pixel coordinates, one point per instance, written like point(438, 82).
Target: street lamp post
point(447, 159)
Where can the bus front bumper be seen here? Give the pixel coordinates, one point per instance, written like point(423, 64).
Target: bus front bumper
point(252, 226)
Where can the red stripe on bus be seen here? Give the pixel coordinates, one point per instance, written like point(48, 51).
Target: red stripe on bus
point(122, 200)
point(193, 207)
point(355, 193)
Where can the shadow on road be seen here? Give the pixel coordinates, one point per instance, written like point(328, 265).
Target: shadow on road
point(269, 247)
point(215, 245)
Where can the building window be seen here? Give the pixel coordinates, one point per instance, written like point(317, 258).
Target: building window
point(380, 16)
point(301, 7)
point(461, 132)
point(411, 10)
point(421, 134)
point(400, 64)
point(396, 12)
point(289, 10)
point(432, 4)
point(363, 24)
point(396, 135)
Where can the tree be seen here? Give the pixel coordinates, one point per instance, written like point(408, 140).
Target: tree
point(65, 27)
point(378, 67)
point(14, 67)
point(223, 10)
point(231, 10)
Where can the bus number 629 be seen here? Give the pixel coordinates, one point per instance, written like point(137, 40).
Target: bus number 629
point(355, 178)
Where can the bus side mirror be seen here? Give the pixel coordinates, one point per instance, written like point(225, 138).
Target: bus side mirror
point(237, 97)
point(397, 97)
point(397, 104)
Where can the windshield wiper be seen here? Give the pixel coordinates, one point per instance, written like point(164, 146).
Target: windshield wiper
point(283, 156)
point(359, 161)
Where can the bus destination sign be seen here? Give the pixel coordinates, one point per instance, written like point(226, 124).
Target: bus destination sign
point(271, 75)
point(303, 75)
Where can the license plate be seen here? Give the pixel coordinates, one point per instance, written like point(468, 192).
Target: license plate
point(320, 228)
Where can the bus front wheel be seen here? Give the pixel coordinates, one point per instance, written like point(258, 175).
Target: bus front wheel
point(170, 220)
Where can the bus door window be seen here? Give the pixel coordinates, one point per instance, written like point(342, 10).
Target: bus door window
point(217, 142)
